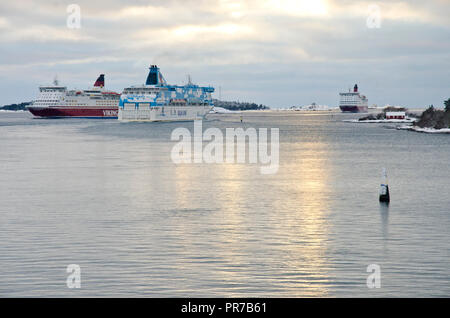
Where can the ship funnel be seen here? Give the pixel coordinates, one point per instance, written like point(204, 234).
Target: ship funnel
point(155, 77)
point(355, 88)
point(100, 82)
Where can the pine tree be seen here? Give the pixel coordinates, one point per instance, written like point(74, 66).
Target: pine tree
point(447, 105)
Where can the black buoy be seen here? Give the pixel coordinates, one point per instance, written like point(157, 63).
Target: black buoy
point(384, 189)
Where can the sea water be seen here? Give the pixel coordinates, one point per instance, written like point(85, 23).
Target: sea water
point(107, 197)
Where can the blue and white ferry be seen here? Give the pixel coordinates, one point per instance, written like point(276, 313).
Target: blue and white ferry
point(159, 101)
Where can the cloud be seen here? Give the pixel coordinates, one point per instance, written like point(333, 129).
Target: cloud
point(300, 8)
point(3, 23)
point(244, 46)
point(42, 33)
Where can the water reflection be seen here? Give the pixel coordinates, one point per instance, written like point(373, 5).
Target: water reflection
point(235, 230)
point(305, 226)
point(184, 178)
point(141, 226)
point(384, 213)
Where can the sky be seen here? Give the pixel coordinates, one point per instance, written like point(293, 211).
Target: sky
point(279, 53)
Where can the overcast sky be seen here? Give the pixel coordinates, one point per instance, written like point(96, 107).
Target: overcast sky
point(276, 52)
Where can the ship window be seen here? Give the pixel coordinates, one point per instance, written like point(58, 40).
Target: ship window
point(144, 105)
point(129, 106)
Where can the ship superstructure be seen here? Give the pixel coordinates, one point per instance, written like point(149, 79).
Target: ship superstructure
point(57, 101)
point(158, 101)
point(353, 102)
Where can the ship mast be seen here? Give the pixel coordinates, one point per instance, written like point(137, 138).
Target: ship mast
point(189, 80)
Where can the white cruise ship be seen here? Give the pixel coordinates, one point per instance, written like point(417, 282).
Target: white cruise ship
point(57, 101)
point(353, 102)
point(158, 101)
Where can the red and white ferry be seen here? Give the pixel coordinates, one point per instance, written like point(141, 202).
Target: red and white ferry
point(353, 102)
point(56, 101)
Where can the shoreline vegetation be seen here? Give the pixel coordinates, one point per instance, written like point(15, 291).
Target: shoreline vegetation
point(16, 107)
point(432, 120)
point(239, 105)
point(435, 118)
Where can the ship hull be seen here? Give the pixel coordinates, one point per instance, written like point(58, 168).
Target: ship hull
point(354, 109)
point(165, 113)
point(74, 112)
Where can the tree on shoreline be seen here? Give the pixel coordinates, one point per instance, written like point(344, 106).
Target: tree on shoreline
point(447, 105)
point(239, 105)
point(435, 118)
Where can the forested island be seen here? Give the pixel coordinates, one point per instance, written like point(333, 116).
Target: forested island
point(435, 118)
point(16, 107)
point(239, 105)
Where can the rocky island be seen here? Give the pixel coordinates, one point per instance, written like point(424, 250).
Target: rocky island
point(389, 114)
point(432, 120)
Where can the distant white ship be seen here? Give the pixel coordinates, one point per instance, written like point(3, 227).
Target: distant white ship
point(311, 107)
point(353, 102)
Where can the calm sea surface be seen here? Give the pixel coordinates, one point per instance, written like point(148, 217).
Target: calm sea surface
point(106, 196)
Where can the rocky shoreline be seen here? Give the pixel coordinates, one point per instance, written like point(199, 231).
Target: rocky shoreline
point(381, 121)
point(432, 121)
point(381, 117)
point(425, 129)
